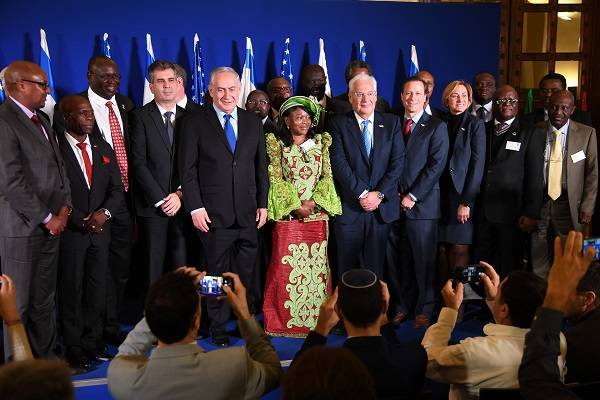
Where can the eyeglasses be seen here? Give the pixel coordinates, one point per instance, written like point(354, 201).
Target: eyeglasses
point(368, 95)
point(42, 85)
point(506, 101)
point(255, 102)
point(107, 77)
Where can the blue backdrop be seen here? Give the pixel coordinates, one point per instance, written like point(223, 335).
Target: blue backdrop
point(453, 40)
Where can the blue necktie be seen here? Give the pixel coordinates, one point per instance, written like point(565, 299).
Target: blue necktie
point(169, 126)
point(229, 133)
point(366, 136)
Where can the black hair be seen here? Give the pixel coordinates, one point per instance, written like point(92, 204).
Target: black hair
point(356, 64)
point(360, 307)
point(283, 132)
point(556, 76)
point(160, 65)
point(413, 78)
point(590, 282)
point(523, 292)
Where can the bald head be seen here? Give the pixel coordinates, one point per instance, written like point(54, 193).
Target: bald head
point(562, 105)
point(103, 76)
point(426, 77)
point(79, 116)
point(279, 91)
point(27, 83)
point(313, 81)
point(258, 103)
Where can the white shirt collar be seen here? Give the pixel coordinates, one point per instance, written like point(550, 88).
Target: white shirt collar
point(564, 129)
point(183, 102)
point(416, 118)
point(73, 142)
point(221, 114)
point(361, 119)
point(508, 122)
point(428, 109)
point(164, 110)
point(26, 110)
point(97, 99)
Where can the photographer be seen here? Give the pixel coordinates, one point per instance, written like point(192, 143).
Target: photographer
point(180, 369)
point(490, 361)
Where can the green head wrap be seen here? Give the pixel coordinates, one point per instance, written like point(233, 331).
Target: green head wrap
point(311, 105)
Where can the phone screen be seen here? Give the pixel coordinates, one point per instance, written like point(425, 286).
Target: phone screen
point(592, 242)
point(213, 285)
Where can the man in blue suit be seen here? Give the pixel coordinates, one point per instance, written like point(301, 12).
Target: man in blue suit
point(413, 240)
point(367, 158)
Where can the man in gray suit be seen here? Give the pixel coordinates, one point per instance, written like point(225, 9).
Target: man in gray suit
point(180, 369)
point(35, 202)
point(570, 179)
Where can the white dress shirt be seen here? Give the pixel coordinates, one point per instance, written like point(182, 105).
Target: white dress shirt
point(79, 156)
point(101, 114)
point(487, 107)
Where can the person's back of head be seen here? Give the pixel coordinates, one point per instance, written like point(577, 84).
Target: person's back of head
point(360, 297)
point(323, 373)
point(35, 380)
point(523, 292)
point(587, 297)
point(172, 304)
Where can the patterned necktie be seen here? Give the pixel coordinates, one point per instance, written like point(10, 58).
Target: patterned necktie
point(501, 128)
point(366, 137)
point(555, 168)
point(406, 132)
point(169, 126)
point(118, 145)
point(229, 132)
point(481, 113)
point(36, 120)
point(86, 162)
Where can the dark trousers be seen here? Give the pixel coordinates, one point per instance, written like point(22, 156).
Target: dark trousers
point(82, 273)
point(361, 244)
point(32, 263)
point(500, 245)
point(228, 250)
point(411, 253)
point(121, 233)
point(164, 243)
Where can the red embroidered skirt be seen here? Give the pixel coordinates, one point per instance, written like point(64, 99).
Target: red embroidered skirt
point(297, 279)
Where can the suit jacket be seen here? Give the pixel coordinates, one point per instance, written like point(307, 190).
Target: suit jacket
point(230, 186)
point(326, 114)
point(269, 126)
point(153, 158)
point(33, 179)
point(426, 154)
point(583, 353)
point(187, 371)
point(106, 190)
point(513, 183)
point(354, 172)
point(538, 115)
point(190, 106)
point(398, 371)
point(582, 176)
point(467, 158)
point(342, 104)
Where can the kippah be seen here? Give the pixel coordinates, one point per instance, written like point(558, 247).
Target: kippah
point(359, 278)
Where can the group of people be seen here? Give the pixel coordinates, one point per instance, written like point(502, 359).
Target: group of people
point(411, 193)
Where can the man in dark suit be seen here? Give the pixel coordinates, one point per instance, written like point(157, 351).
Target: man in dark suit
point(398, 370)
point(258, 103)
point(180, 97)
point(35, 201)
point(550, 84)
point(312, 83)
point(97, 191)
point(279, 90)
point(484, 87)
point(154, 161)
point(223, 169)
point(512, 187)
point(354, 68)
point(413, 240)
point(367, 157)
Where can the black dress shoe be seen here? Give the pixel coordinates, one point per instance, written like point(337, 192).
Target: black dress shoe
point(100, 354)
point(78, 361)
point(221, 340)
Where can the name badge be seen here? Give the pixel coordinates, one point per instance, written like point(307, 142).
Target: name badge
point(514, 146)
point(309, 144)
point(580, 155)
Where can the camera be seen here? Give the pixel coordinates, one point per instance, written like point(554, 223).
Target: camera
point(468, 273)
point(213, 285)
point(592, 242)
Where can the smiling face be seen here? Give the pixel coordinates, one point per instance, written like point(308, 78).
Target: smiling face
point(104, 78)
point(413, 97)
point(458, 100)
point(225, 91)
point(258, 103)
point(298, 121)
point(363, 97)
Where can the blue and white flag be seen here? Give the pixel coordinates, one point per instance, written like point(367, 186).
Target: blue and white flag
point(362, 51)
point(198, 87)
point(2, 95)
point(323, 64)
point(45, 64)
point(286, 63)
point(105, 45)
point(148, 96)
point(247, 75)
point(414, 61)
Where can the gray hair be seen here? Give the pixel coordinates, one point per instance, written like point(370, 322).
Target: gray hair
point(361, 77)
point(218, 70)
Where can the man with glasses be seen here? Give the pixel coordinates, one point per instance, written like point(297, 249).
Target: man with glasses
point(35, 203)
point(512, 186)
point(258, 103)
point(367, 159)
point(279, 90)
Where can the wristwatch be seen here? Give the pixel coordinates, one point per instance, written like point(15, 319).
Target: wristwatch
point(380, 195)
point(107, 213)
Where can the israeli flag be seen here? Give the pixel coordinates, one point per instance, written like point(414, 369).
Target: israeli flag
point(105, 45)
point(45, 64)
point(148, 96)
point(2, 95)
point(323, 64)
point(362, 51)
point(414, 61)
point(198, 73)
point(247, 75)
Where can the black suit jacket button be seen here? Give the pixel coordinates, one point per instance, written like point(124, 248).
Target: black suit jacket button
point(451, 170)
point(234, 163)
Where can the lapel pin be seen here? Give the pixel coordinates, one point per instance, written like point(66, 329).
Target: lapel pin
point(422, 124)
point(462, 129)
point(123, 106)
point(381, 126)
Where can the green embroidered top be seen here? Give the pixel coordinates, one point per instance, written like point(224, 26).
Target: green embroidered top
point(296, 174)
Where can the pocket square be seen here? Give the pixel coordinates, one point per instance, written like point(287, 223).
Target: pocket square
point(105, 160)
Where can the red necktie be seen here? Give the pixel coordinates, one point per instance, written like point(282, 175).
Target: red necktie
point(86, 162)
point(406, 132)
point(118, 145)
point(36, 120)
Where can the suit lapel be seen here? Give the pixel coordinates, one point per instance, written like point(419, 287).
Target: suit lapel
point(356, 133)
point(31, 126)
point(574, 144)
point(513, 134)
point(419, 128)
point(241, 137)
point(72, 159)
point(160, 125)
point(378, 139)
point(211, 115)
